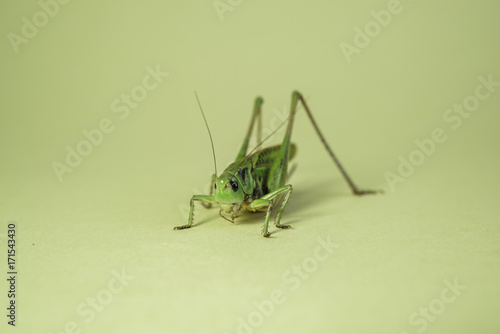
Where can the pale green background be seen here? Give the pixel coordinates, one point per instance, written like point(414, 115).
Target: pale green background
point(117, 209)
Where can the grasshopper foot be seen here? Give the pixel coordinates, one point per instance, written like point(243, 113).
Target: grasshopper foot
point(266, 235)
point(367, 192)
point(182, 227)
point(284, 226)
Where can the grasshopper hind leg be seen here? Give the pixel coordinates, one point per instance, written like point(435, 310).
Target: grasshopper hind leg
point(297, 97)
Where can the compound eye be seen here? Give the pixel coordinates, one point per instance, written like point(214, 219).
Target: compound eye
point(234, 186)
point(215, 185)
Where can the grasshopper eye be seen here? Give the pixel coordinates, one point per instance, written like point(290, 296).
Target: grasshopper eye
point(215, 185)
point(234, 186)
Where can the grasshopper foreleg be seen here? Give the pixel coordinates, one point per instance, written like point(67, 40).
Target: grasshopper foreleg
point(204, 199)
point(267, 202)
point(283, 205)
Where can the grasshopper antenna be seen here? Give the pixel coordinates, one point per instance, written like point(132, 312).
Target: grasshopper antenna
point(209, 133)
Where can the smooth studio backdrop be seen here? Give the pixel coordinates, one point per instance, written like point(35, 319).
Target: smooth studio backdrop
point(103, 146)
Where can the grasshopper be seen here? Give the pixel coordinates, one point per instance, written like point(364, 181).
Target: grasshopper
point(256, 182)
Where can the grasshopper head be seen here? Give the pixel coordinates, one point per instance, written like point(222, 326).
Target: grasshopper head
point(228, 193)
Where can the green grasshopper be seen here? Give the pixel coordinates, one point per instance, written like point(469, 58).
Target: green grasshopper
point(256, 181)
